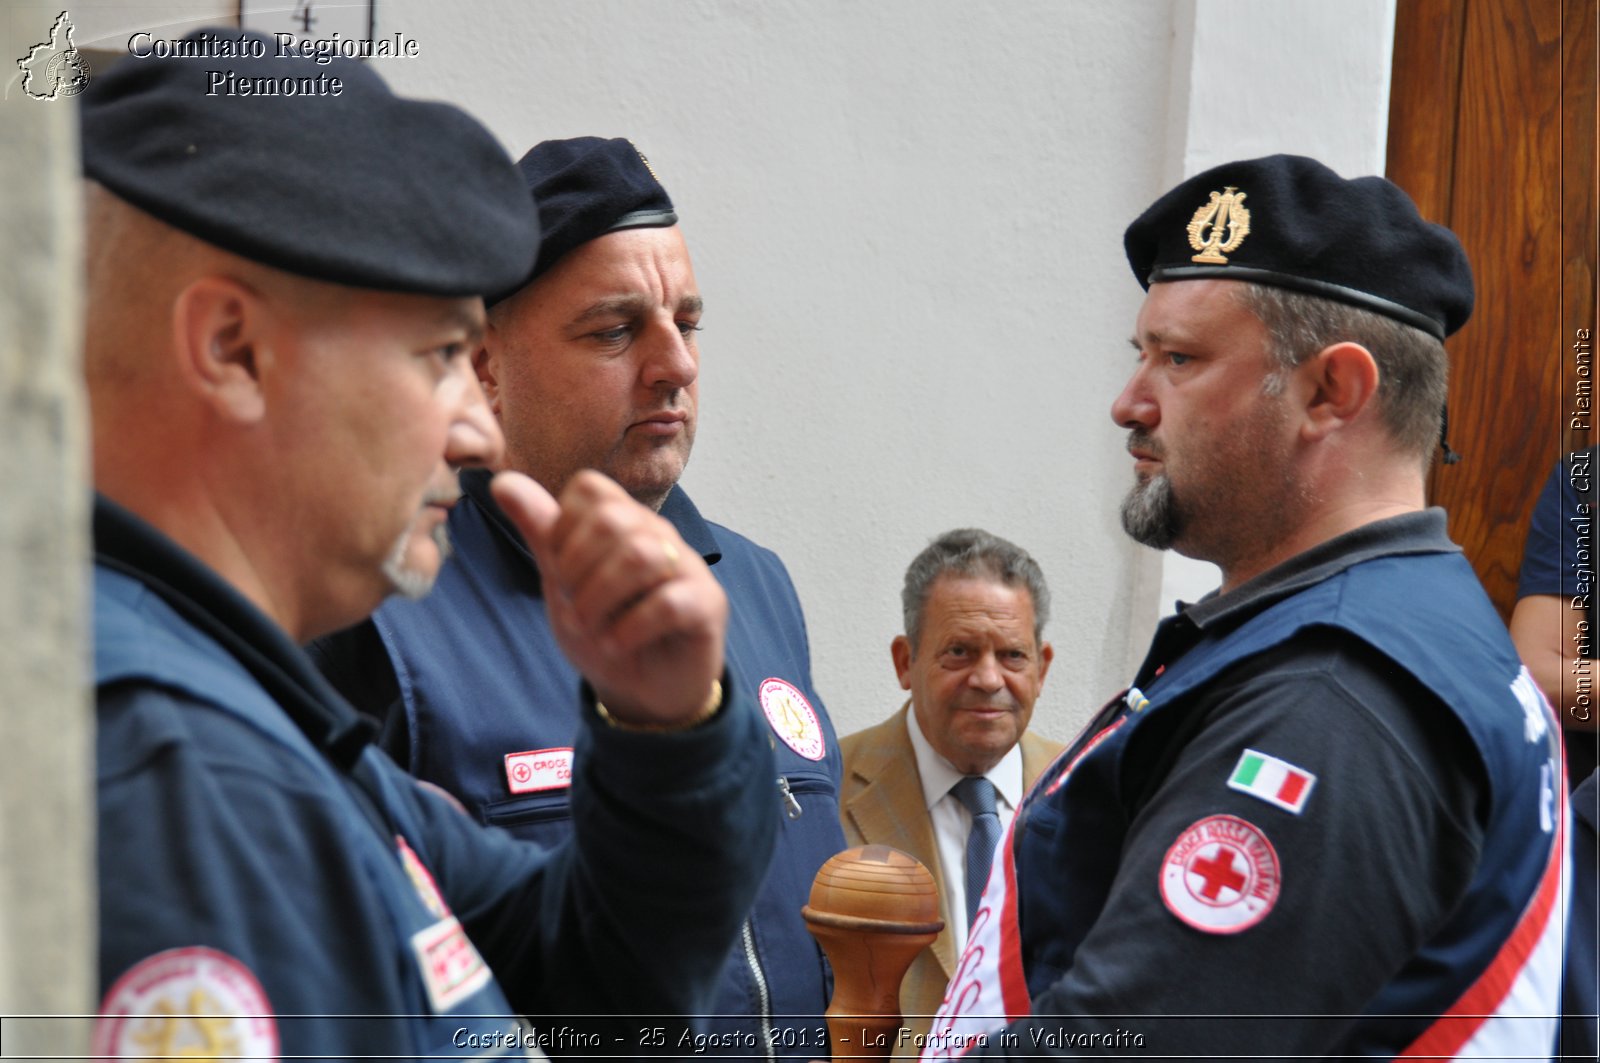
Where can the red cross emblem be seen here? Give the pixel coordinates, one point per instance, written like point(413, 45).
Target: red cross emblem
point(1221, 876)
point(1217, 873)
point(536, 770)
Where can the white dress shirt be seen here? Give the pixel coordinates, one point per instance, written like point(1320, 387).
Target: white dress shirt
point(952, 822)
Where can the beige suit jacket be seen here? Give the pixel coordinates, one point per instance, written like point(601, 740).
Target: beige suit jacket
point(882, 804)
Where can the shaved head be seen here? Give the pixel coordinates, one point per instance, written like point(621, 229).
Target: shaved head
point(127, 300)
point(136, 266)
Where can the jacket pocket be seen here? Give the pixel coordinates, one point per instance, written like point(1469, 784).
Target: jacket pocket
point(543, 818)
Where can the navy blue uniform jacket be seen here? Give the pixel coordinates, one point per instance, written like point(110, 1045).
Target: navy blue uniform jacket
point(479, 699)
point(257, 854)
point(1556, 561)
point(1580, 1002)
point(1397, 889)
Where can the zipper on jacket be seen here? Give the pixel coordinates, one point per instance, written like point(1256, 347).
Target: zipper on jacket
point(750, 958)
point(791, 804)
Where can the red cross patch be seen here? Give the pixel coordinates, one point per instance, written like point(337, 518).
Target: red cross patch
point(1221, 875)
point(537, 770)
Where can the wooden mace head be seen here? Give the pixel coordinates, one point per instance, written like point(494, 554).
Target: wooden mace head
point(872, 909)
point(875, 888)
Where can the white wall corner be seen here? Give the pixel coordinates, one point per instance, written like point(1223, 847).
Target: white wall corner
point(1245, 84)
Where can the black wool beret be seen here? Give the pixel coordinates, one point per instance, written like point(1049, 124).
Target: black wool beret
point(589, 186)
point(259, 156)
point(1291, 222)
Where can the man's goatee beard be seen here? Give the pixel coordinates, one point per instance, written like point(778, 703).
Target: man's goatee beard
point(408, 582)
point(1150, 515)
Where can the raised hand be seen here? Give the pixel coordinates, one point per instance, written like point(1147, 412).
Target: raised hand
point(634, 608)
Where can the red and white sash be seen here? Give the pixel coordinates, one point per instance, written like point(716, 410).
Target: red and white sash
point(988, 989)
point(1513, 1004)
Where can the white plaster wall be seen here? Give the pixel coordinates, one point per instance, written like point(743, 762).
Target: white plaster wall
point(47, 850)
point(906, 220)
point(1260, 77)
point(101, 25)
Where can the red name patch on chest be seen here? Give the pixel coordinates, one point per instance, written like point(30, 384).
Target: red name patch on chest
point(539, 769)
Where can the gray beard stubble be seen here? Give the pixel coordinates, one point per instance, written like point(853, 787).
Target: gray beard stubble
point(407, 582)
point(1150, 514)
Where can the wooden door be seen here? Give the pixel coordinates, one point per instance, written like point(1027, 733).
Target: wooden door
point(1492, 131)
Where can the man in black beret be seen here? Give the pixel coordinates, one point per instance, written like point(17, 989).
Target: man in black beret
point(1325, 820)
point(284, 299)
point(591, 361)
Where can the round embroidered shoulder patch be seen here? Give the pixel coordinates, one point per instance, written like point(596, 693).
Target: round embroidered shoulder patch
point(792, 717)
point(187, 1002)
point(1221, 875)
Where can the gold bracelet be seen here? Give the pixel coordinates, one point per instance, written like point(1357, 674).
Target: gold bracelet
point(708, 710)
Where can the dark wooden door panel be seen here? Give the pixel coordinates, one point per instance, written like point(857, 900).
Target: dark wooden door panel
point(1492, 131)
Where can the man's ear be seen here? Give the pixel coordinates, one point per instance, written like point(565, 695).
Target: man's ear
point(486, 363)
point(900, 650)
point(218, 328)
point(1338, 383)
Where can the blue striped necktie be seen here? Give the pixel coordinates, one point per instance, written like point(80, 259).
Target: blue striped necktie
point(977, 793)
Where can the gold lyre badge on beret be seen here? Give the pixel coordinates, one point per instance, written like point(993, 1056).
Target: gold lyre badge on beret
point(1225, 211)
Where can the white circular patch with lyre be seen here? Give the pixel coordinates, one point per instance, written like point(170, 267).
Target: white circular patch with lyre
point(792, 717)
point(190, 1002)
point(1221, 875)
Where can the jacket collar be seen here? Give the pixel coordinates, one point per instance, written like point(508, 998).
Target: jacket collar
point(678, 510)
point(125, 543)
point(1422, 532)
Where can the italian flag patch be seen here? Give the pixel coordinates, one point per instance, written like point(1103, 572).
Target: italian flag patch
point(1277, 782)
